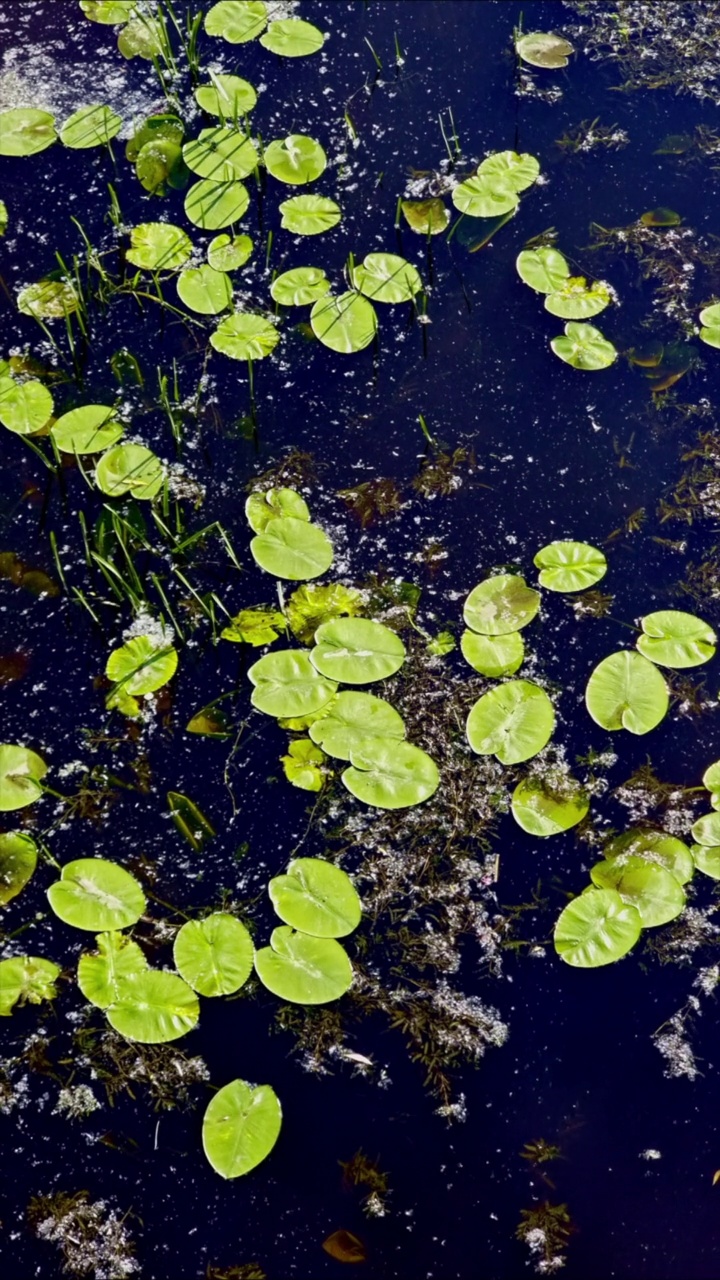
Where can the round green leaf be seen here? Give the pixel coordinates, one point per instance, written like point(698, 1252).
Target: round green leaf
point(95, 894)
point(426, 217)
point(542, 49)
point(164, 127)
point(711, 780)
point(295, 160)
point(352, 720)
point(501, 604)
point(18, 860)
point(386, 277)
point(356, 650)
point(625, 691)
point(90, 127)
point(345, 324)
point(141, 37)
point(544, 270)
point(482, 197)
point(390, 774)
point(240, 1126)
point(243, 336)
point(570, 566)
point(89, 429)
point(48, 300)
point(597, 928)
point(204, 290)
point(654, 846)
point(309, 215)
point(100, 975)
point(292, 38)
point(25, 131)
point(651, 889)
point(213, 205)
point(542, 812)
point(27, 980)
point(493, 655)
point(129, 468)
point(158, 246)
point(160, 165)
point(292, 548)
point(287, 684)
point(236, 20)
point(577, 300)
point(214, 955)
point(141, 666)
point(512, 722)
point(272, 504)
point(221, 154)
point(302, 969)
point(299, 287)
point(707, 859)
point(112, 12)
point(706, 830)
point(24, 406)
point(584, 347)
point(154, 1007)
point(711, 316)
point(507, 168)
point(20, 773)
point(227, 253)
point(710, 336)
point(675, 639)
point(316, 897)
point(228, 97)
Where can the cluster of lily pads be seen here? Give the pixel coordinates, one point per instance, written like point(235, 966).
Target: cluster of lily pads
point(573, 299)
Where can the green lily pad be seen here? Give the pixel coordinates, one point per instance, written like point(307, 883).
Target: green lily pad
point(244, 336)
point(130, 468)
point(257, 627)
point(89, 429)
point(302, 765)
point(577, 300)
point(237, 21)
point(213, 205)
point(494, 656)
point(655, 893)
point(141, 37)
point(309, 215)
point(25, 130)
point(165, 126)
point(357, 651)
point(512, 722)
point(100, 975)
point(240, 1126)
point(273, 504)
point(295, 160)
point(390, 774)
point(584, 347)
point(204, 290)
point(710, 322)
point(544, 270)
point(291, 548)
point(160, 165)
point(92, 126)
point(625, 691)
point(675, 639)
point(346, 323)
point(154, 1007)
point(654, 846)
point(299, 287)
point(24, 406)
point(227, 96)
point(570, 566)
point(112, 12)
point(386, 277)
point(707, 829)
point(543, 812)
point(711, 780)
point(140, 666)
point(48, 300)
point(221, 154)
point(543, 49)
point(507, 168)
point(95, 894)
point(158, 246)
point(309, 606)
point(710, 336)
point(426, 217)
point(26, 980)
point(482, 197)
point(303, 969)
point(292, 38)
point(597, 928)
point(353, 719)
point(707, 859)
point(317, 898)
point(18, 860)
point(214, 955)
point(227, 253)
point(287, 684)
point(501, 604)
point(20, 772)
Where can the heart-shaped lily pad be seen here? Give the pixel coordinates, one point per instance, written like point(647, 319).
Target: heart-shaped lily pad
point(357, 651)
point(100, 975)
point(570, 566)
point(89, 429)
point(154, 1007)
point(650, 888)
point(597, 928)
point(18, 860)
point(244, 336)
point(302, 969)
point(295, 160)
point(214, 955)
point(501, 604)
point(673, 638)
point(391, 774)
point(512, 722)
point(346, 324)
point(352, 719)
point(272, 504)
point(241, 1125)
point(309, 215)
point(95, 894)
point(494, 656)
point(625, 691)
point(542, 811)
point(316, 897)
point(287, 684)
point(292, 548)
point(130, 468)
point(20, 772)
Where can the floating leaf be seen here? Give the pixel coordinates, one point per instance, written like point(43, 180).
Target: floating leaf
point(584, 347)
point(158, 246)
point(241, 1125)
point(570, 566)
point(299, 287)
point(675, 639)
point(142, 37)
point(163, 127)
point(650, 888)
point(310, 606)
point(577, 300)
point(711, 780)
point(292, 548)
point(303, 969)
point(484, 198)
point(357, 651)
point(95, 894)
point(625, 691)
point(541, 811)
point(204, 290)
point(140, 666)
point(544, 270)
point(20, 773)
point(89, 429)
point(706, 830)
point(309, 215)
point(710, 320)
point(295, 160)
point(48, 300)
point(661, 218)
point(18, 860)
point(542, 49)
point(227, 253)
point(271, 504)
point(707, 859)
point(214, 955)
point(112, 12)
point(507, 168)
point(345, 1247)
point(189, 820)
point(501, 604)
point(390, 774)
point(426, 217)
point(346, 323)
point(292, 38)
point(213, 205)
point(236, 21)
point(3, 218)
point(100, 975)
point(130, 468)
point(154, 1007)
point(316, 897)
point(287, 684)
point(654, 846)
point(255, 626)
point(386, 277)
point(25, 407)
point(221, 154)
point(494, 656)
point(597, 928)
point(26, 980)
point(352, 721)
point(210, 722)
point(25, 130)
point(90, 127)
point(228, 96)
point(302, 765)
point(512, 722)
point(244, 336)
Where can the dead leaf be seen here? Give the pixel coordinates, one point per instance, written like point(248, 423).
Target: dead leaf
point(345, 1247)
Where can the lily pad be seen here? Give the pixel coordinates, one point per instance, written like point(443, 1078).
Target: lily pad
point(570, 566)
point(317, 898)
point(356, 650)
point(95, 894)
point(141, 37)
point(543, 49)
point(287, 684)
point(92, 126)
point(244, 336)
point(48, 300)
point(707, 829)
point(544, 270)
point(710, 322)
point(26, 980)
point(303, 969)
point(204, 290)
point(227, 96)
point(484, 197)
point(213, 205)
point(507, 168)
point(309, 215)
point(240, 1127)
point(494, 656)
point(390, 774)
point(426, 217)
point(214, 955)
point(386, 277)
point(656, 847)
point(625, 691)
point(273, 504)
point(158, 246)
point(675, 639)
point(597, 928)
point(711, 780)
point(512, 722)
point(100, 975)
point(543, 812)
point(302, 765)
point(237, 21)
point(295, 549)
point(25, 130)
point(577, 300)
point(25, 407)
point(309, 606)
point(584, 347)
point(257, 627)
point(299, 287)
point(295, 160)
point(221, 154)
point(707, 859)
point(89, 429)
point(111, 12)
point(655, 893)
point(354, 719)
point(141, 666)
point(346, 323)
point(501, 604)
point(18, 860)
point(130, 468)
point(292, 38)
point(154, 1007)
point(20, 773)
point(228, 253)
